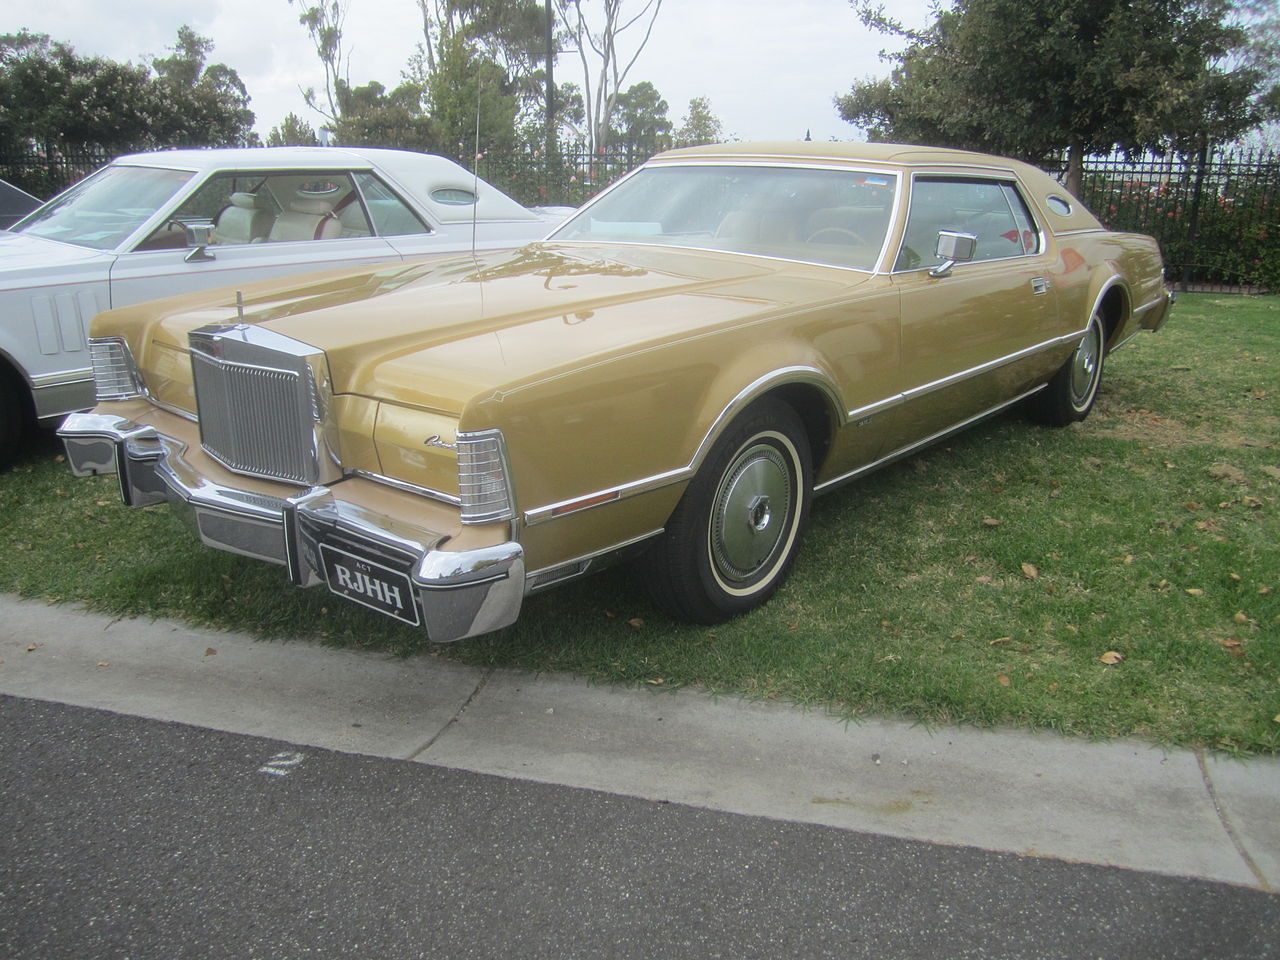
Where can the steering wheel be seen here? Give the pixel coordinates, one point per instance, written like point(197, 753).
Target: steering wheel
point(840, 233)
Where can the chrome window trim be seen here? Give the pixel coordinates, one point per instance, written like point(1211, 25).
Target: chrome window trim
point(858, 166)
point(1000, 176)
point(828, 485)
point(407, 487)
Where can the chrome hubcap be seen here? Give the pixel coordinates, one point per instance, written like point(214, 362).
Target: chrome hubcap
point(1084, 367)
point(751, 512)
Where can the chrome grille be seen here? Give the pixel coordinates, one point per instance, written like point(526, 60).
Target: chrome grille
point(256, 419)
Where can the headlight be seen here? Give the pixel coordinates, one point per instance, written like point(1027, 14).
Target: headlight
point(484, 480)
point(115, 375)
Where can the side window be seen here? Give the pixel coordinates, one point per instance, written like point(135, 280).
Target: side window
point(984, 208)
point(223, 198)
point(391, 217)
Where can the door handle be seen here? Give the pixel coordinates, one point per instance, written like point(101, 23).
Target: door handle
point(1039, 286)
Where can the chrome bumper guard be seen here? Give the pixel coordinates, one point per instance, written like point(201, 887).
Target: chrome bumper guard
point(453, 594)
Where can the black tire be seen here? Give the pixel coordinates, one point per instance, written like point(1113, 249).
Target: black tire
point(758, 475)
point(1071, 393)
point(13, 418)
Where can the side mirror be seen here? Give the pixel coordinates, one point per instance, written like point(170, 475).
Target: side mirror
point(199, 236)
point(953, 248)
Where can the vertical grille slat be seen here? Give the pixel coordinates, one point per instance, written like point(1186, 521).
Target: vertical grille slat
point(256, 419)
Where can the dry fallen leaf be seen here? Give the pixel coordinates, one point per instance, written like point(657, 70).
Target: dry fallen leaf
point(210, 652)
point(1263, 591)
point(635, 623)
point(1030, 572)
point(1003, 679)
point(1234, 576)
point(999, 640)
point(990, 522)
point(104, 663)
point(1194, 592)
point(1053, 687)
point(1252, 503)
point(1111, 658)
point(983, 579)
point(1227, 472)
point(1276, 718)
point(1128, 559)
point(31, 647)
point(656, 681)
point(609, 614)
point(1233, 646)
point(1272, 472)
point(1240, 617)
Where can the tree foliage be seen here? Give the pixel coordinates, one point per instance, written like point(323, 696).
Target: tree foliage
point(52, 95)
point(1032, 78)
point(699, 125)
point(641, 127)
point(292, 131)
point(324, 21)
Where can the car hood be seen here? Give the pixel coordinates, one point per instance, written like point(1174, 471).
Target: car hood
point(438, 333)
point(24, 258)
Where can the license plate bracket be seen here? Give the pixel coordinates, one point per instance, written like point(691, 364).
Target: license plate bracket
point(370, 584)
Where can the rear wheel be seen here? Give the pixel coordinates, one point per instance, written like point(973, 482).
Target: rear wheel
point(1071, 393)
point(734, 535)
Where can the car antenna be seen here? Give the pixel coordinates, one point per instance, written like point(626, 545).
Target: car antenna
point(475, 168)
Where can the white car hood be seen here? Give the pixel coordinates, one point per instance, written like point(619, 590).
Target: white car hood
point(25, 259)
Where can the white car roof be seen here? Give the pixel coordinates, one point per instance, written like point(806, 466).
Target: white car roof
point(417, 174)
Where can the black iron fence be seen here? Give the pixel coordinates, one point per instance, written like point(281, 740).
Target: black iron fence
point(1216, 215)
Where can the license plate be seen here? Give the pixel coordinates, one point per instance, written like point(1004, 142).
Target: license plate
point(370, 584)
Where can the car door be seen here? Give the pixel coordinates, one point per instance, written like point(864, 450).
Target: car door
point(262, 225)
point(970, 338)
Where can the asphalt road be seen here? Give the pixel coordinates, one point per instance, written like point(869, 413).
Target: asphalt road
point(123, 837)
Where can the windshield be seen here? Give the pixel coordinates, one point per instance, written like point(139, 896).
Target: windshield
point(837, 217)
point(102, 210)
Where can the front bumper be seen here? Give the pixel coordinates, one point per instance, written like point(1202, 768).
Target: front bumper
point(381, 561)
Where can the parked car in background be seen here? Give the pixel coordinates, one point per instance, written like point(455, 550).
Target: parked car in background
point(158, 224)
point(675, 372)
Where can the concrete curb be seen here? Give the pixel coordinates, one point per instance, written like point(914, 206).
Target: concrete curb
point(1124, 803)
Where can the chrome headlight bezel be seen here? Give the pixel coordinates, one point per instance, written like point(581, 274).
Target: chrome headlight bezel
point(115, 373)
point(484, 477)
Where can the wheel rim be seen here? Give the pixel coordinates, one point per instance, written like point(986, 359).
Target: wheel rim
point(752, 512)
point(1085, 366)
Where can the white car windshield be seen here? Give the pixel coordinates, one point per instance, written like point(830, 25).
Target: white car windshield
point(104, 209)
point(837, 217)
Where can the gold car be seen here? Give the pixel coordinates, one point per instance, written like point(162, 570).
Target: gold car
point(674, 373)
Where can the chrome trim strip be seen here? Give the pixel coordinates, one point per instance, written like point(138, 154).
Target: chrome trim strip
point(1079, 232)
point(1148, 306)
point(408, 487)
point(990, 365)
point(587, 559)
point(1125, 340)
point(623, 491)
point(781, 377)
point(43, 381)
point(814, 376)
point(828, 485)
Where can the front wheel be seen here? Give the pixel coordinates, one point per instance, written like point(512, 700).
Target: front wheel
point(13, 418)
point(1070, 394)
point(734, 535)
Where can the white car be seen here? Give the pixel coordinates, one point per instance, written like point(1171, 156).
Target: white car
point(157, 224)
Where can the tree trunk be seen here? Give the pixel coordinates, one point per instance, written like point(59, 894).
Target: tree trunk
point(1075, 168)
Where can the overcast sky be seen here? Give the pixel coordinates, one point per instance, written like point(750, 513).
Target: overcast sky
point(770, 68)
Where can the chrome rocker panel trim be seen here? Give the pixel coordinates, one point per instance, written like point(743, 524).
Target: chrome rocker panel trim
point(457, 594)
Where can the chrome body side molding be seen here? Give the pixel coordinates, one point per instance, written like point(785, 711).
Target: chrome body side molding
point(829, 485)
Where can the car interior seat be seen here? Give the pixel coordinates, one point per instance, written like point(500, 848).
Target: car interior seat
point(247, 219)
point(308, 218)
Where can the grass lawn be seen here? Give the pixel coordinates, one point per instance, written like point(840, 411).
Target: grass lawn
point(979, 582)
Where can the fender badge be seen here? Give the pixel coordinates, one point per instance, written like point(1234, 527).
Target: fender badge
point(435, 441)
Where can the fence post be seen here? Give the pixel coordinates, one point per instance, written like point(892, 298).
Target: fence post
point(1193, 224)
